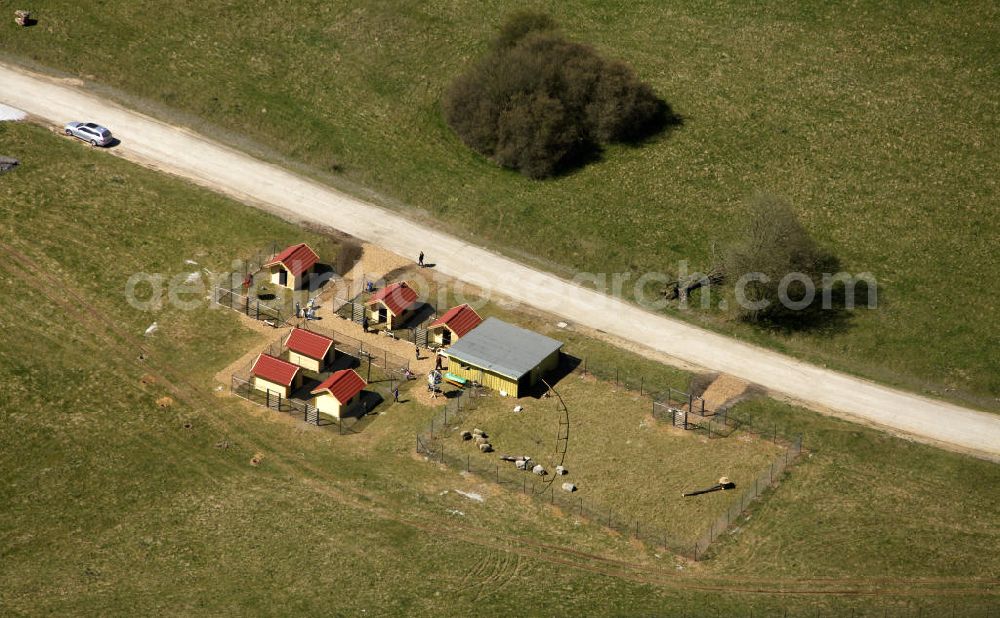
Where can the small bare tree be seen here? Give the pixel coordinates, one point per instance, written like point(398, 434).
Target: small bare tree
point(774, 243)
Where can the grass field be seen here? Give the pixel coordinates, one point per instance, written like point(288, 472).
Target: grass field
point(877, 122)
point(619, 456)
point(111, 506)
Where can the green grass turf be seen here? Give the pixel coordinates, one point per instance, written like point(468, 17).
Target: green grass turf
point(110, 506)
point(878, 122)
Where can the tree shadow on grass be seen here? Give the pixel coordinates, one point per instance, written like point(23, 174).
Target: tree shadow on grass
point(832, 316)
point(659, 126)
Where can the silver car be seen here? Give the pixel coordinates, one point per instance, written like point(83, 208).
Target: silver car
point(95, 134)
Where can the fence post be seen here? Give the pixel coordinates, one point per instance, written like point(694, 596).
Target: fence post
point(641, 380)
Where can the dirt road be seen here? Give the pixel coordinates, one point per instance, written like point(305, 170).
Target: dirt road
point(188, 155)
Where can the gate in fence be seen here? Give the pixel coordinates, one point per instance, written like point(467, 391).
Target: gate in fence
point(350, 309)
point(274, 400)
point(420, 337)
point(664, 411)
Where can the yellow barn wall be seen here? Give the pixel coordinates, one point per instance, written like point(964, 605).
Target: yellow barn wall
point(488, 379)
point(303, 361)
point(391, 321)
point(327, 404)
point(437, 334)
point(263, 385)
point(294, 283)
point(498, 382)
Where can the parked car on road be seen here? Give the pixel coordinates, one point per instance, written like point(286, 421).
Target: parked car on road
point(95, 134)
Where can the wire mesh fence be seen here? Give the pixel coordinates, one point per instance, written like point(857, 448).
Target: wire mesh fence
point(251, 307)
point(366, 352)
point(630, 380)
point(437, 442)
point(766, 479)
point(231, 289)
point(293, 407)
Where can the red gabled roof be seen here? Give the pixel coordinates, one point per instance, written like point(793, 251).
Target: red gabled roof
point(274, 370)
point(397, 297)
point(297, 259)
point(342, 384)
point(460, 319)
point(308, 343)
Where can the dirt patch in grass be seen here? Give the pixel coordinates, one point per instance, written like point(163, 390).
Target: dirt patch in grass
point(724, 390)
point(374, 264)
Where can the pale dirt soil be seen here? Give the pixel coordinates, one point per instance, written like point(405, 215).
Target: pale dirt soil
point(724, 389)
point(374, 264)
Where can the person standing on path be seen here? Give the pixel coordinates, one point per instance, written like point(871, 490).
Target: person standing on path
point(420, 259)
point(395, 394)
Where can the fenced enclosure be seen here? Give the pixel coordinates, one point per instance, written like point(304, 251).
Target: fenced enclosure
point(293, 407)
point(766, 479)
point(367, 354)
point(251, 307)
point(439, 442)
point(670, 405)
point(391, 369)
point(228, 290)
point(352, 309)
point(630, 380)
point(416, 335)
